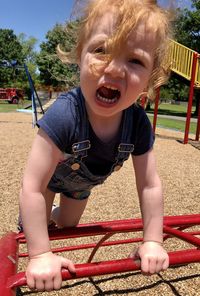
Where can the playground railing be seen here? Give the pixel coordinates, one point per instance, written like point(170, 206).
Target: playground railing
point(178, 227)
point(181, 58)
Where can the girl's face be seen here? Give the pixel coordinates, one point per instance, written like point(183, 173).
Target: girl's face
point(119, 82)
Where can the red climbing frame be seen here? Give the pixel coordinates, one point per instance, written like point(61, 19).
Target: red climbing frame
point(174, 226)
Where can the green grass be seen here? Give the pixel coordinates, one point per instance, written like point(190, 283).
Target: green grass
point(165, 109)
point(6, 107)
point(172, 109)
point(178, 125)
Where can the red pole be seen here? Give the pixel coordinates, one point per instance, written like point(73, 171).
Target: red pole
point(9, 261)
point(198, 124)
point(189, 109)
point(157, 99)
point(112, 267)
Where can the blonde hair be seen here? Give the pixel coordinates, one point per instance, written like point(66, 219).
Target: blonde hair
point(128, 14)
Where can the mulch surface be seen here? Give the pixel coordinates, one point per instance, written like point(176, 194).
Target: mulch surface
point(179, 169)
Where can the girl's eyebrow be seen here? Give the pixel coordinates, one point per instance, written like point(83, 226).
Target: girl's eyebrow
point(99, 38)
point(97, 41)
point(139, 54)
point(143, 53)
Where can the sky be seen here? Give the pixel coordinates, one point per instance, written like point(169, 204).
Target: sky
point(36, 17)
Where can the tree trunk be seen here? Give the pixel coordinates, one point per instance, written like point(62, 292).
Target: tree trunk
point(197, 102)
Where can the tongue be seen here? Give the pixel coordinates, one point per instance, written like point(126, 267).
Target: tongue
point(107, 92)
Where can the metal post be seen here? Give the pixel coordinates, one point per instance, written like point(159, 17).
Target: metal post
point(34, 109)
point(157, 99)
point(198, 124)
point(189, 109)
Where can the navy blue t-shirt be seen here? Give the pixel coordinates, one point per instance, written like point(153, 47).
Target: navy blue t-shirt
point(60, 124)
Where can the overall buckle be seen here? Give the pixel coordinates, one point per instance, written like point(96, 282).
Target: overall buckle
point(81, 146)
point(125, 148)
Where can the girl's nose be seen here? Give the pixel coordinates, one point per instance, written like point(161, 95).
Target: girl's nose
point(115, 68)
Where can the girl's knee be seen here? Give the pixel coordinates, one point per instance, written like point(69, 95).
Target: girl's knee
point(64, 219)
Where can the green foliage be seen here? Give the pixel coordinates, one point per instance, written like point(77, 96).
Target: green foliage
point(187, 26)
point(10, 49)
point(30, 56)
point(28, 45)
point(20, 49)
point(52, 71)
point(176, 89)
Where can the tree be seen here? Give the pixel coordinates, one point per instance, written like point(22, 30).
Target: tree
point(10, 49)
point(30, 57)
point(187, 26)
point(52, 71)
point(187, 31)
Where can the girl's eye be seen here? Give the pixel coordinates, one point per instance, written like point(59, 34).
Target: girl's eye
point(99, 49)
point(137, 62)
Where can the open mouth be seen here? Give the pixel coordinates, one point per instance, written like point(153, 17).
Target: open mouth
point(108, 94)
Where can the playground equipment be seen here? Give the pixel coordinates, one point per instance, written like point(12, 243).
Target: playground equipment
point(185, 63)
point(174, 227)
point(34, 95)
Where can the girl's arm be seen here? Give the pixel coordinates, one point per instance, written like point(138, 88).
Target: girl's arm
point(44, 268)
point(42, 160)
point(153, 256)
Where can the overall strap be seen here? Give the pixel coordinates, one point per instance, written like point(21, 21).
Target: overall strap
point(126, 147)
point(83, 144)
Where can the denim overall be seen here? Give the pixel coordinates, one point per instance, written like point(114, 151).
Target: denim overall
point(71, 176)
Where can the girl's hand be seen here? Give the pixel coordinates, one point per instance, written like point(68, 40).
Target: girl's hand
point(44, 271)
point(153, 257)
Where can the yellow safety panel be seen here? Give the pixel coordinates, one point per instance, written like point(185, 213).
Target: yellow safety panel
point(181, 58)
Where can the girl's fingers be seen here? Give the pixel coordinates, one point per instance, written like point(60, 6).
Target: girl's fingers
point(152, 265)
point(49, 285)
point(68, 264)
point(57, 282)
point(145, 265)
point(30, 281)
point(134, 255)
point(165, 263)
point(159, 266)
point(40, 285)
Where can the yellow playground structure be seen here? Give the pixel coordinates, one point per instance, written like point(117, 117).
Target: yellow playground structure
point(181, 58)
point(185, 62)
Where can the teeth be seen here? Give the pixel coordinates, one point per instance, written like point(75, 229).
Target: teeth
point(106, 100)
point(112, 87)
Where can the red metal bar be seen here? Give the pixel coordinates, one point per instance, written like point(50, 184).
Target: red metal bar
point(183, 235)
point(90, 246)
point(157, 99)
point(128, 225)
point(93, 229)
point(198, 124)
point(8, 261)
point(104, 244)
point(191, 93)
point(111, 267)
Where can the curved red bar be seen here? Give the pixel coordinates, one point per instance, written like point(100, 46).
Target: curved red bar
point(9, 261)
